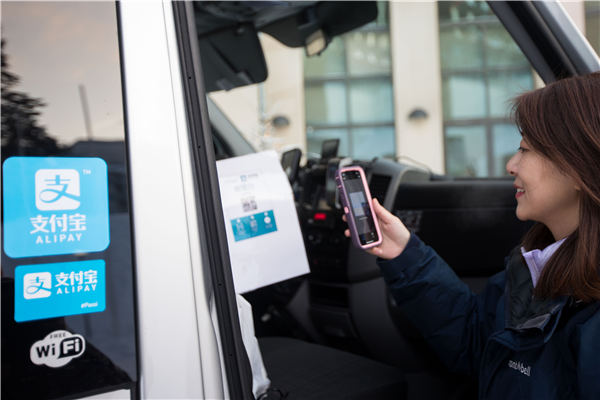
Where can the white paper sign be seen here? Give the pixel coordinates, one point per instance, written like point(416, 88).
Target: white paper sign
point(263, 233)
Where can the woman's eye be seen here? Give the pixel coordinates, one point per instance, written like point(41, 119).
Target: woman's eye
point(522, 149)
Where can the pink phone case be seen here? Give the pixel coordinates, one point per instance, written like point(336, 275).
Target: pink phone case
point(348, 209)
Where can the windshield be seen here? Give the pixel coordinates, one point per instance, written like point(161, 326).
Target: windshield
point(427, 84)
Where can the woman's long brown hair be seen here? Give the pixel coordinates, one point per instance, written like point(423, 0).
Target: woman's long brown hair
point(562, 122)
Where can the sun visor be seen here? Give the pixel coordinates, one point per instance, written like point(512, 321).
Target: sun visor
point(232, 57)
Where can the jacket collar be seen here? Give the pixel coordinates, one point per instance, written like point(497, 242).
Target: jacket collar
point(524, 313)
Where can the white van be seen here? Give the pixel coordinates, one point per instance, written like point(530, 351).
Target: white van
point(116, 276)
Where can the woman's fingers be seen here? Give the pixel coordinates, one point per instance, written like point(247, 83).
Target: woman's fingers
point(395, 235)
point(384, 215)
point(376, 251)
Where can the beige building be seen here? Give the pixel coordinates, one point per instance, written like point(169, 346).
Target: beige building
point(427, 83)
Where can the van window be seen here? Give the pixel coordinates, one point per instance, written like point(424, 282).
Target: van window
point(482, 69)
point(428, 84)
point(348, 93)
point(67, 270)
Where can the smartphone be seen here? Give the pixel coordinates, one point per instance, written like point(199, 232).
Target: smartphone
point(358, 207)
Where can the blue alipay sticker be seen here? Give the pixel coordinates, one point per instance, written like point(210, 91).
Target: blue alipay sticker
point(59, 289)
point(55, 205)
point(253, 225)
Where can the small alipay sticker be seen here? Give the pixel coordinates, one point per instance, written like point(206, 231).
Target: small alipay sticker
point(55, 205)
point(253, 225)
point(59, 289)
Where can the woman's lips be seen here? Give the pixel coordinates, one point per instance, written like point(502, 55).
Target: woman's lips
point(519, 193)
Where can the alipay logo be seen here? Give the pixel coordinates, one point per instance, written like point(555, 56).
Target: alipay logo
point(55, 205)
point(57, 189)
point(37, 285)
point(59, 289)
point(57, 349)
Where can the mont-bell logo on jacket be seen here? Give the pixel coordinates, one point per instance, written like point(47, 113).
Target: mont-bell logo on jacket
point(519, 366)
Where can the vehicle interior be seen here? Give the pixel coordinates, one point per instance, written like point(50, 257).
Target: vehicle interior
point(337, 332)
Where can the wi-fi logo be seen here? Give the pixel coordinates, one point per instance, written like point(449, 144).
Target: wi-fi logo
point(57, 349)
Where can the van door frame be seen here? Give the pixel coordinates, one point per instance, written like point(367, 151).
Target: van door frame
point(548, 37)
point(182, 353)
point(210, 222)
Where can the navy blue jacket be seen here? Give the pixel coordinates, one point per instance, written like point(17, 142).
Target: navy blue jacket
point(519, 347)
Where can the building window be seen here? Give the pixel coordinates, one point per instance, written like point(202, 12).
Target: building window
point(349, 93)
point(592, 23)
point(482, 70)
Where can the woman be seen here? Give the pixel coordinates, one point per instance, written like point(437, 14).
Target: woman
point(534, 333)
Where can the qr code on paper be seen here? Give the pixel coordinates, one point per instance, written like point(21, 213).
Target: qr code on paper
point(249, 204)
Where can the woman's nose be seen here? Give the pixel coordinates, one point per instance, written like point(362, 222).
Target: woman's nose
point(511, 165)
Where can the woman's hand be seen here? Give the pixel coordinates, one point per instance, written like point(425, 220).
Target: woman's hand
point(395, 234)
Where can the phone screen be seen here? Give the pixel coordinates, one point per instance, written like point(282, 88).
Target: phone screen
point(363, 218)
